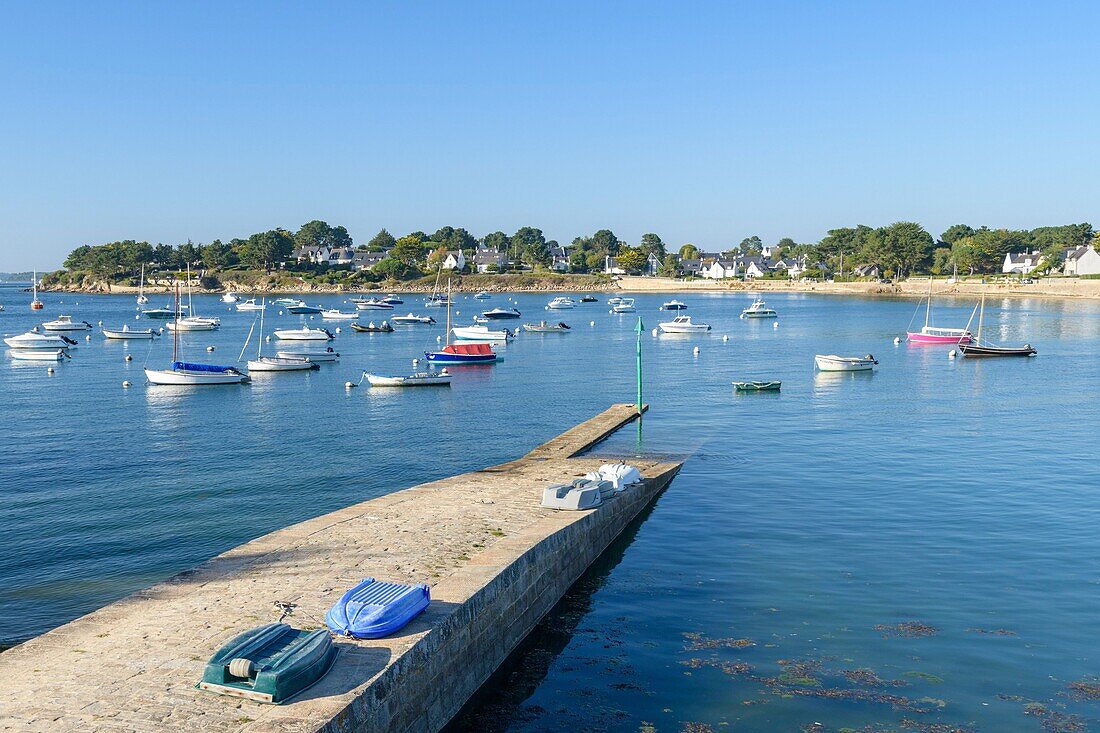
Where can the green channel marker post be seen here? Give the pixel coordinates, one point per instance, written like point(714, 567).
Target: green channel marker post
point(638, 329)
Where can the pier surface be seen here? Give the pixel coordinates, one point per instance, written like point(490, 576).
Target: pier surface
point(495, 560)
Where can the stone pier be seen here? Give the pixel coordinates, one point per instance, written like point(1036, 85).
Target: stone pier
point(495, 560)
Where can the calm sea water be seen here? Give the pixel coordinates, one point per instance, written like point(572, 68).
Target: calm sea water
point(930, 529)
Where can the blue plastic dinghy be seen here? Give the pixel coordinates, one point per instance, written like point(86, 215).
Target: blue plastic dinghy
point(372, 609)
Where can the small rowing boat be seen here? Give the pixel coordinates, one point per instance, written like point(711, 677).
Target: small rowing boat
point(126, 333)
point(413, 320)
point(419, 379)
point(757, 386)
point(834, 363)
point(544, 327)
point(371, 328)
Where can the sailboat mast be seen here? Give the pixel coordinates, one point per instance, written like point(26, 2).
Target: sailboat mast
point(448, 311)
point(190, 310)
point(981, 314)
point(176, 330)
point(928, 310)
point(260, 340)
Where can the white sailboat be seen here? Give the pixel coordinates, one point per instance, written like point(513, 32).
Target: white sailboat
point(142, 298)
point(36, 304)
point(193, 322)
point(276, 363)
point(188, 374)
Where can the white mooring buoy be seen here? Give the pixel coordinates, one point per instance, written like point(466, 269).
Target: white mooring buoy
point(591, 323)
point(655, 333)
point(49, 370)
point(126, 384)
point(349, 385)
point(129, 357)
point(695, 351)
point(209, 348)
point(416, 362)
point(725, 338)
point(775, 324)
point(337, 329)
point(897, 340)
point(952, 354)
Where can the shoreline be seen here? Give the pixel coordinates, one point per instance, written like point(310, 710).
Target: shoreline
point(1053, 288)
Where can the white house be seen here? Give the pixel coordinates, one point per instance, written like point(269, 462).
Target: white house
point(872, 271)
point(367, 260)
point(325, 255)
point(745, 266)
point(454, 260)
point(1022, 263)
point(611, 266)
point(652, 264)
point(793, 266)
point(1083, 261)
point(559, 259)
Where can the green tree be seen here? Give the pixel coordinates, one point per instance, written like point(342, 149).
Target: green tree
point(381, 242)
point(409, 249)
point(670, 266)
point(188, 253)
point(751, 245)
point(956, 232)
point(264, 249)
point(317, 233)
point(605, 241)
point(216, 256)
point(394, 268)
point(631, 259)
point(652, 244)
point(496, 240)
point(165, 255)
point(941, 260)
point(689, 252)
point(903, 245)
point(531, 245)
point(784, 246)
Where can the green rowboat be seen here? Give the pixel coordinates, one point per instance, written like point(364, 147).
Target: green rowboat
point(757, 386)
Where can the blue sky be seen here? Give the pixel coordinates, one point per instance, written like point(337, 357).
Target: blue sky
point(703, 122)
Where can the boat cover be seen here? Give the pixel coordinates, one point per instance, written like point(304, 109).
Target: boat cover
point(193, 367)
point(373, 609)
point(470, 349)
point(577, 496)
point(619, 474)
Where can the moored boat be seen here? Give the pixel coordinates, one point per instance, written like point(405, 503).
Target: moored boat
point(683, 324)
point(977, 349)
point(39, 354)
point(372, 328)
point(759, 309)
point(561, 303)
point(313, 355)
point(36, 304)
point(230, 298)
point(546, 327)
point(127, 333)
point(773, 386)
point(304, 334)
point(36, 340)
point(674, 305)
point(471, 353)
point(931, 335)
point(392, 299)
point(372, 304)
point(834, 363)
point(625, 305)
point(501, 314)
point(194, 323)
point(338, 315)
point(281, 364)
point(163, 314)
point(285, 302)
point(66, 323)
point(482, 296)
point(250, 305)
point(183, 374)
point(441, 378)
point(142, 298)
point(413, 320)
point(301, 309)
point(481, 332)
point(589, 299)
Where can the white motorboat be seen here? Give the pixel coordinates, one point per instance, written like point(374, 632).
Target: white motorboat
point(230, 298)
point(625, 305)
point(191, 374)
point(371, 304)
point(834, 363)
point(546, 327)
point(561, 303)
point(250, 305)
point(66, 323)
point(482, 333)
point(127, 333)
point(337, 315)
point(482, 295)
point(315, 356)
point(683, 324)
point(195, 323)
point(37, 340)
point(615, 300)
point(39, 354)
point(500, 314)
point(161, 314)
point(304, 334)
point(413, 320)
point(392, 299)
point(437, 301)
point(759, 309)
point(285, 302)
point(420, 379)
point(674, 305)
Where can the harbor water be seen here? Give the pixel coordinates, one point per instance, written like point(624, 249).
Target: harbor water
point(898, 550)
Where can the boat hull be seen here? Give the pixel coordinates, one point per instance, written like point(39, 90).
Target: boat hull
point(125, 335)
point(310, 335)
point(25, 342)
point(281, 364)
point(975, 351)
point(757, 386)
point(444, 357)
point(314, 356)
point(932, 340)
point(38, 354)
point(186, 378)
point(414, 380)
point(843, 364)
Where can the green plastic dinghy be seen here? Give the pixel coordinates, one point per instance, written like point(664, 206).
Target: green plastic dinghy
point(269, 663)
point(758, 386)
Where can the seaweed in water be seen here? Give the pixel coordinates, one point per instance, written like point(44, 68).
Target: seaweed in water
point(1086, 689)
point(696, 728)
point(993, 632)
point(1054, 721)
point(868, 678)
point(911, 629)
point(730, 668)
point(697, 642)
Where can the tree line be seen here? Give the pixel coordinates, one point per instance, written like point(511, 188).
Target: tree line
point(900, 249)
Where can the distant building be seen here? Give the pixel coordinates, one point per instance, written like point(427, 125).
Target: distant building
point(367, 260)
point(325, 255)
point(454, 261)
point(611, 266)
point(485, 259)
point(1082, 261)
point(559, 259)
point(872, 271)
point(744, 266)
point(1022, 263)
point(652, 265)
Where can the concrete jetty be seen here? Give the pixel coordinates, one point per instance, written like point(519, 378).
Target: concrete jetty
point(495, 560)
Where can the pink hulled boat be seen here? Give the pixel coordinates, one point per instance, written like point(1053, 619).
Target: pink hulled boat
point(930, 334)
